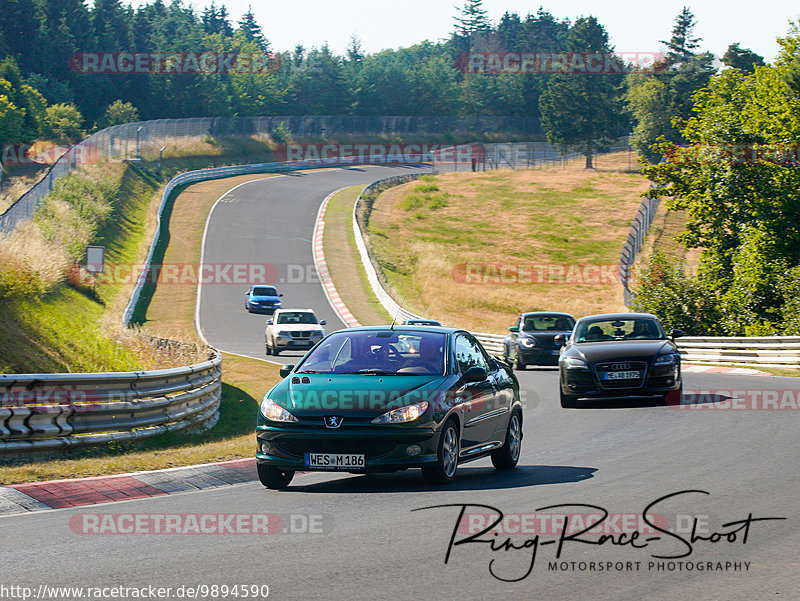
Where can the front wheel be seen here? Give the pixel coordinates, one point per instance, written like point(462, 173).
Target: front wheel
point(568, 401)
point(507, 456)
point(444, 470)
point(274, 478)
point(519, 363)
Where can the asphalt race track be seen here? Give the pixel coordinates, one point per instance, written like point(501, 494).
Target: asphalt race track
point(369, 543)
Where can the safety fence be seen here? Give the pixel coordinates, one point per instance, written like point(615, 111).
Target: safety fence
point(131, 140)
point(633, 244)
point(57, 412)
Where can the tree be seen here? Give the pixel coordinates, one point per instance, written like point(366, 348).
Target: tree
point(655, 99)
point(472, 19)
point(681, 46)
point(215, 20)
point(252, 30)
point(736, 179)
point(64, 121)
point(117, 113)
point(742, 58)
point(583, 109)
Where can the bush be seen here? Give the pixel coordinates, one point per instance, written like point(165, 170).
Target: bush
point(679, 301)
point(281, 134)
point(64, 121)
point(118, 113)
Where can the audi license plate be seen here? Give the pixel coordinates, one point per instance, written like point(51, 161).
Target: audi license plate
point(330, 461)
point(622, 375)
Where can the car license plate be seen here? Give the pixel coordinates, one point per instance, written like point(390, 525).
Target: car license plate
point(556, 352)
point(622, 375)
point(330, 461)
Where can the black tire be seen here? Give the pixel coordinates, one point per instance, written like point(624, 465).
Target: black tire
point(519, 364)
point(269, 348)
point(444, 470)
point(274, 478)
point(568, 401)
point(275, 351)
point(507, 456)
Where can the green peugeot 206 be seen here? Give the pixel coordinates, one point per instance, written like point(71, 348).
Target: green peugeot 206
point(388, 398)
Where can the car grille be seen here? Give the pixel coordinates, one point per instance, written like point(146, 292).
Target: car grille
point(618, 366)
point(368, 448)
point(300, 334)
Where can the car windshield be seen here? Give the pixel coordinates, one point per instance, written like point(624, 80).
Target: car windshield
point(265, 292)
point(619, 329)
point(298, 317)
point(378, 352)
point(545, 323)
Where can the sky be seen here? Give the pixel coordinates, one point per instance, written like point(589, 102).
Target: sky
point(632, 26)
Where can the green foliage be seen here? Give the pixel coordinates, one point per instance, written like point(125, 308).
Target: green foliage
point(281, 134)
point(64, 122)
point(657, 99)
point(679, 301)
point(118, 113)
point(738, 183)
point(743, 59)
point(581, 110)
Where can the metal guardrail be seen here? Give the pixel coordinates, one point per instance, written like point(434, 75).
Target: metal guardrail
point(756, 351)
point(50, 412)
point(493, 343)
point(131, 139)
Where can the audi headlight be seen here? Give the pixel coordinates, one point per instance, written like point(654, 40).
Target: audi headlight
point(662, 360)
point(527, 342)
point(404, 414)
point(274, 412)
point(575, 363)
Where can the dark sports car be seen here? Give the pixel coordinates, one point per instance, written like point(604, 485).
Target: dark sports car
point(382, 399)
point(531, 339)
point(619, 355)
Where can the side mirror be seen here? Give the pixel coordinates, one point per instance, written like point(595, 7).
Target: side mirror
point(322, 322)
point(475, 374)
point(281, 294)
point(286, 370)
point(676, 333)
point(513, 329)
point(269, 321)
point(560, 339)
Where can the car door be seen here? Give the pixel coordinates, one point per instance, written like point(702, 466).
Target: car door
point(478, 408)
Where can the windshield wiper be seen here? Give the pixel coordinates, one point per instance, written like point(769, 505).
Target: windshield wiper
point(308, 371)
point(373, 372)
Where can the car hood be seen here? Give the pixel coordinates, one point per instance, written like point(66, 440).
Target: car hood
point(364, 395)
point(624, 349)
point(298, 327)
point(264, 298)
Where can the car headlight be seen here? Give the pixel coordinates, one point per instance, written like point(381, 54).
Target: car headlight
point(319, 334)
point(284, 334)
point(575, 363)
point(274, 412)
point(662, 360)
point(527, 342)
point(404, 414)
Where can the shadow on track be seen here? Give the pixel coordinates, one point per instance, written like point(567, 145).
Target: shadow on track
point(468, 478)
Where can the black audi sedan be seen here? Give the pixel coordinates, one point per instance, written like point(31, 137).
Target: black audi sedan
point(531, 340)
point(619, 355)
point(382, 399)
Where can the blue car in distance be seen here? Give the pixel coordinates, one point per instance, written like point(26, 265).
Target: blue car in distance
point(262, 299)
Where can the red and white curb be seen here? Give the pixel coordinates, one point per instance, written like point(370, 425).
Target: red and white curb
point(719, 369)
point(322, 267)
point(61, 494)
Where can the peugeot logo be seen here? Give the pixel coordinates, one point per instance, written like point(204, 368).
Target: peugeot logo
point(620, 366)
point(332, 421)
